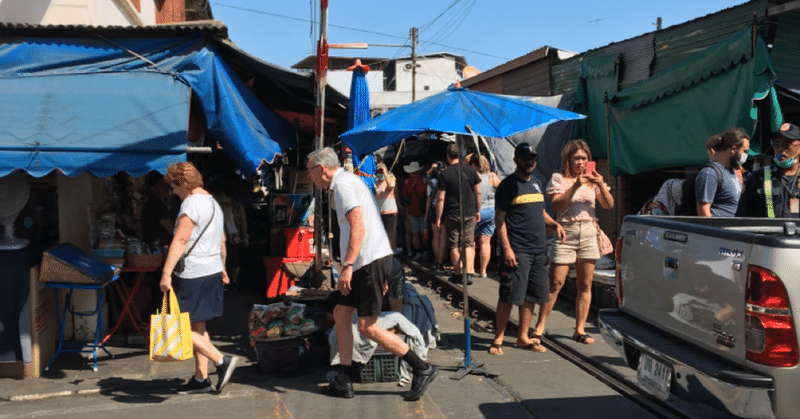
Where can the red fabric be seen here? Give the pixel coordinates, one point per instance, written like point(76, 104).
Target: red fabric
point(415, 190)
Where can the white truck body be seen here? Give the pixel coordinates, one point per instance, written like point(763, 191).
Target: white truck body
point(706, 311)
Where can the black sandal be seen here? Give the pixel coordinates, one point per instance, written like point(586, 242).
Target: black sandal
point(495, 346)
point(584, 339)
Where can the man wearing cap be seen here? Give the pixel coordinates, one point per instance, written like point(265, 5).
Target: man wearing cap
point(449, 211)
point(521, 221)
point(415, 194)
point(774, 191)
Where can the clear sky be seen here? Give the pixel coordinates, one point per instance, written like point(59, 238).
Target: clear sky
point(486, 32)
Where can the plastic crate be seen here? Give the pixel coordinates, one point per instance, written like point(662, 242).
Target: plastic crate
point(381, 368)
point(299, 242)
point(278, 355)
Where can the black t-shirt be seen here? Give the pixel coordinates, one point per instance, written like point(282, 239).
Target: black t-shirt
point(523, 203)
point(448, 182)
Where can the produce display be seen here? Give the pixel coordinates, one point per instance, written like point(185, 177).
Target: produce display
point(279, 320)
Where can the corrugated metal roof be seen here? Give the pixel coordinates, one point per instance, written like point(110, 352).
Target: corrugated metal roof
point(213, 27)
point(310, 62)
point(679, 42)
point(784, 48)
point(532, 56)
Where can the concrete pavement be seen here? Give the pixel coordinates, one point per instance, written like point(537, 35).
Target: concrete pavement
point(529, 384)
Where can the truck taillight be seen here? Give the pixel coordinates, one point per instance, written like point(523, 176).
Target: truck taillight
point(770, 335)
point(618, 269)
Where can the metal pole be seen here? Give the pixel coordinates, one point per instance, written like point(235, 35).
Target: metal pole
point(463, 251)
point(413, 64)
point(319, 127)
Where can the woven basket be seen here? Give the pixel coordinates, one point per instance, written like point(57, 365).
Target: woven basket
point(143, 260)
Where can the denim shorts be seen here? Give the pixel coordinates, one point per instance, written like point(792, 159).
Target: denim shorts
point(416, 224)
point(526, 281)
point(485, 227)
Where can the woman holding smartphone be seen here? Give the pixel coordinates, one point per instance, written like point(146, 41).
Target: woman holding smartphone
point(573, 193)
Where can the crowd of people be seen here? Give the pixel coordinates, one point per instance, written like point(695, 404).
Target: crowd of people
point(455, 214)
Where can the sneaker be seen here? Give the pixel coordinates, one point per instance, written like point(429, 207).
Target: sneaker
point(193, 386)
point(225, 371)
point(420, 383)
point(335, 389)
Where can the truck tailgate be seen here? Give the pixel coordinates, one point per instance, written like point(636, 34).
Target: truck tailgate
point(689, 284)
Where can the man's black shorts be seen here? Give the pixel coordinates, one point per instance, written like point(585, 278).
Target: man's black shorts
point(366, 293)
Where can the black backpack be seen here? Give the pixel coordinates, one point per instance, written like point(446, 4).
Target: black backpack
point(688, 205)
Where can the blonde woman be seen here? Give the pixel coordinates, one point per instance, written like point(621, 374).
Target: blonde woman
point(484, 229)
point(573, 193)
point(199, 240)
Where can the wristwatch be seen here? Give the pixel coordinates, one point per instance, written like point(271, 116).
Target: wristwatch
point(346, 264)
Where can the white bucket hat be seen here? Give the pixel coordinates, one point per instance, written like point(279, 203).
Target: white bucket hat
point(413, 167)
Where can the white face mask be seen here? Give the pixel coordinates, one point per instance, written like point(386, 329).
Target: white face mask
point(742, 159)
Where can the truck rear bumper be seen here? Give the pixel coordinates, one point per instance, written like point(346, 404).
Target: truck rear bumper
point(697, 375)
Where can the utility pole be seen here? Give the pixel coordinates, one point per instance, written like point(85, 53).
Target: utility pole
point(413, 34)
point(319, 129)
point(658, 24)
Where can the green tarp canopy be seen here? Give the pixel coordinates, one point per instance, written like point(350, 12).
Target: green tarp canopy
point(664, 121)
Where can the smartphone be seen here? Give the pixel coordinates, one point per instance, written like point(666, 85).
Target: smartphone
point(590, 167)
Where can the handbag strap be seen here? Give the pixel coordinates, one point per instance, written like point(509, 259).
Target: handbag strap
point(213, 211)
point(169, 304)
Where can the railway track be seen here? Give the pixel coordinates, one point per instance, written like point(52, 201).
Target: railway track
point(482, 316)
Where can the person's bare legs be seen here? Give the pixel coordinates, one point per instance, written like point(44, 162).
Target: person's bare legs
point(584, 270)
point(469, 254)
point(501, 322)
point(368, 326)
point(416, 242)
point(558, 274)
point(203, 350)
point(455, 258)
point(485, 252)
point(525, 316)
point(343, 316)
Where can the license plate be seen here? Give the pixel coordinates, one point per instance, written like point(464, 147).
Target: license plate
point(654, 375)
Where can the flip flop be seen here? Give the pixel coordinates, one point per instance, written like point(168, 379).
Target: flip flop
point(533, 347)
point(498, 349)
point(584, 339)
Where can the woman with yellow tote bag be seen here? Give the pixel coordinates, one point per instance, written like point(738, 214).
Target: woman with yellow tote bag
point(194, 272)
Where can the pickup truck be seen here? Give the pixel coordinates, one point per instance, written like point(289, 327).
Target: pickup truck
point(706, 311)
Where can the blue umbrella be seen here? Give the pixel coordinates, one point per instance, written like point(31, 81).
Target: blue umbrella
point(456, 111)
point(489, 115)
point(358, 113)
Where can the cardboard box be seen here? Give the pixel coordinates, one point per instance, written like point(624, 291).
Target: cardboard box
point(44, 332)
point(67, 263)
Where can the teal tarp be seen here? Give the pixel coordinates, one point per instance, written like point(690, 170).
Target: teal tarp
point(598, 79)
point(665, 120)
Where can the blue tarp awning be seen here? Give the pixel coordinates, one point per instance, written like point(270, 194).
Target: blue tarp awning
point(125, 121)
point(98, 104)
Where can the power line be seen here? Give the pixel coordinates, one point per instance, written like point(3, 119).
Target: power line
point(356, 30)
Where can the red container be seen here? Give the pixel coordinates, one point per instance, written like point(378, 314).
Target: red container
point(277, 280)
point(299, 242)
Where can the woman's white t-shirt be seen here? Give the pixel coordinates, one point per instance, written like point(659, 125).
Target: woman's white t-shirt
point(205, 259)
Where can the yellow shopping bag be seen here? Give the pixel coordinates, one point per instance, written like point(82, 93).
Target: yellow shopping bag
point(170, 333)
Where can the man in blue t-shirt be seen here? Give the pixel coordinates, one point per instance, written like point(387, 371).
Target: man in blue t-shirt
point(715, 197)
point(521, 219)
